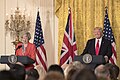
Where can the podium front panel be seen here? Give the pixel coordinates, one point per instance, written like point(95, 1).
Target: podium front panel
point(22, 59)
point(96, 60)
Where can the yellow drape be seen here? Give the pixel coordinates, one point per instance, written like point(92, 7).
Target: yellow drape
point(86, 15)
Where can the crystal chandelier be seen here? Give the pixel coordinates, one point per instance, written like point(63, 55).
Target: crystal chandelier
point(16, 24)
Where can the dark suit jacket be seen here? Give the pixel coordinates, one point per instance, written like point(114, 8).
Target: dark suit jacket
point(105, 48)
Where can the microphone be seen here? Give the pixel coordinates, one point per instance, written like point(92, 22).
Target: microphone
point(23, 49)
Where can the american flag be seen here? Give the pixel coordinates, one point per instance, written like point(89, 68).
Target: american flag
point(69, 49)
point(41, 58)
point(108, 34)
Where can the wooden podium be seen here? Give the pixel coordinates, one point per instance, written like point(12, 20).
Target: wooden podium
point(95, 60)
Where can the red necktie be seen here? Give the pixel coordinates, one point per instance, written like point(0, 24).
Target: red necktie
point(97, 48)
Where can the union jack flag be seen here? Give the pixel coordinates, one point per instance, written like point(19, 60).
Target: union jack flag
point(108, 34)
point(69, 49)
point(41, 58)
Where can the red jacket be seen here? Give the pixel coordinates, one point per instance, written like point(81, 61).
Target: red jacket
point(30, 51)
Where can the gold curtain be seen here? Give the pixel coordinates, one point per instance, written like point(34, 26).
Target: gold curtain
point(86, 15)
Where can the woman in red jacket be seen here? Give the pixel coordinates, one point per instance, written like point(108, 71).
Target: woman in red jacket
point(26, 49)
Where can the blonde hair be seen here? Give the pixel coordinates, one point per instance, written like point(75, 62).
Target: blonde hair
point(99, 28)
point(27, 34)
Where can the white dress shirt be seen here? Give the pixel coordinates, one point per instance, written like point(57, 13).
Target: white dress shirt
point(100, 40)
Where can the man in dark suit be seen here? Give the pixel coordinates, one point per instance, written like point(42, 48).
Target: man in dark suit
point(99, 45)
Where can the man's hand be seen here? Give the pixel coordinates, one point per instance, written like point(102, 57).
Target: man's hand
point(106, 58)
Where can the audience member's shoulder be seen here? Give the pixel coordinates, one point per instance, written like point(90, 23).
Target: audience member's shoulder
point(6, 75)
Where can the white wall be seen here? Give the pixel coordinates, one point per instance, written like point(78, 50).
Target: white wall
point(2, 35)
point(49, 25)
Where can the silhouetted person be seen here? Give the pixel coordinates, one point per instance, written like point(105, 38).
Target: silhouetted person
point(6, 75)
point(32, 74)
point(18, 72)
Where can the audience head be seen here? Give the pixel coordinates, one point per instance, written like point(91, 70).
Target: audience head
point(98, 32)
point(55, 68)
point(70, 74)
point(85, 74)
point(32, 74)
point(113, 69)
point(73, 67)
point(18, 72)
point(6, 75)
point(78, 65)
point(41, 71)
point(54, 75)
point(102, 72)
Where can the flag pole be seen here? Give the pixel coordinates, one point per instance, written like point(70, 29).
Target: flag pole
point(38, 8)
point(69, 10)
point(106, 9)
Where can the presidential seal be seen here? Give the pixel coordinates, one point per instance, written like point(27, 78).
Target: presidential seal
point(12, 59)
point(87, 58)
